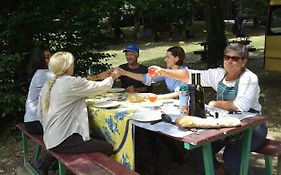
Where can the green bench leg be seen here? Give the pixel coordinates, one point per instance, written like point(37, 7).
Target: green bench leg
point(25, 155)
point(268, 165)
point(62, 170)
point(208, 159)
point(25, 148)
point(246, 151)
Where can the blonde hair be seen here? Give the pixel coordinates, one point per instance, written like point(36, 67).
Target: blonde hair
point(59, 64)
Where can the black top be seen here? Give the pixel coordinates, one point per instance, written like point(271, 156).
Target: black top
point(126, 81)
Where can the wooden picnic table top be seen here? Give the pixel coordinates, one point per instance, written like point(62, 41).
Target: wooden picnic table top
point(210, 135)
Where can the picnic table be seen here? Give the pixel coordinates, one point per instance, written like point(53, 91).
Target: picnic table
point(116, 124)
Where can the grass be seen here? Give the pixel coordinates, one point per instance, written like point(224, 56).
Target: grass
point(153, 53)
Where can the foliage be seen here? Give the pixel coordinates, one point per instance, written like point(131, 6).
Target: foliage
point(253, 9)
point(12, 84)
point(73, 26)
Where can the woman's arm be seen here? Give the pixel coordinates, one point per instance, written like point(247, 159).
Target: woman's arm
point(168, 96)
point(227, 105)
point(100, 76)
point(180, 74)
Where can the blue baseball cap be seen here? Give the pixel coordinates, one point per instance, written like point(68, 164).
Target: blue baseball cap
point(132, 47)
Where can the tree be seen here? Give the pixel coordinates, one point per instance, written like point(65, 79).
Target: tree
point(74, 26)
point(253, 9)
point(215, 28)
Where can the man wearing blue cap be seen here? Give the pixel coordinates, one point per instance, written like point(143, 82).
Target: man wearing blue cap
point(132, 65)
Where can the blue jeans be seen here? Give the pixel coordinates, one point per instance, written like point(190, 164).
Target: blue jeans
point(232, 152)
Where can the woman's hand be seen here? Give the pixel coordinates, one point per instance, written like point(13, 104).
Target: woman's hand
point(121, 71)
point(154, 71)
point(103, 75)
point(212, 103)
point(116, 73)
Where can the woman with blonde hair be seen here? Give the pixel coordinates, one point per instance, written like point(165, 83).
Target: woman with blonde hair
point(63, 112)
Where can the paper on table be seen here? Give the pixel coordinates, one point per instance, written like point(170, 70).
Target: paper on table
point(243, 115)
point(224, 113)
point(165, 128)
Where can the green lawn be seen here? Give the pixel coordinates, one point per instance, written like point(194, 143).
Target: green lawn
point(153, 53)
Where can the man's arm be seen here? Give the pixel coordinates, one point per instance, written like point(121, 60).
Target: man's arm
point(139, 77)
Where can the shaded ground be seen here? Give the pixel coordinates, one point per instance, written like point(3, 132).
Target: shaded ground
point(10, 146)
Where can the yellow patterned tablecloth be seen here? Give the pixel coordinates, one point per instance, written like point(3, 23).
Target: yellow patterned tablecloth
point(115, 125)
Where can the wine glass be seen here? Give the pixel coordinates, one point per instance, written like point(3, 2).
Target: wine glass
point(151, 71)
point(152, 98)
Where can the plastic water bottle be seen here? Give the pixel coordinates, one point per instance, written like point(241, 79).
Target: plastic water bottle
point(184, 100)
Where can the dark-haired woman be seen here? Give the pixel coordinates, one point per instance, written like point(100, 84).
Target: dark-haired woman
point(174, 60)
point(39, 74)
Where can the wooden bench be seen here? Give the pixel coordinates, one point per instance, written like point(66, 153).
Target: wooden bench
point(82, 164)
point(271, 148)
point(202, 53)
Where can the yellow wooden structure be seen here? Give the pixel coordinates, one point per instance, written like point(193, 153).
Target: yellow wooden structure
point(272, 59)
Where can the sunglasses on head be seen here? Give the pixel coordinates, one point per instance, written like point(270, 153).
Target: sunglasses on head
point(233, 58)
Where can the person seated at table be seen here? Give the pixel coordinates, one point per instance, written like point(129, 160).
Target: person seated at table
point(39, 74)
point(63, 112)
point(237, 89)
point(132, 65)
point(174, 60)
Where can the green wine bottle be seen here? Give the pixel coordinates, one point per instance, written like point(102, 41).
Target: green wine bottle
point(199, 98)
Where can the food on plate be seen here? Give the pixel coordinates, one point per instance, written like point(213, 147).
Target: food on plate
point(196, 122)
point(117, 98)
point(136, 98)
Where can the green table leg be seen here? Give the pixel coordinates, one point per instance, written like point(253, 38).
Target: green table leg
point(38, 152)
point(208, 159)
point(62, 170)
point(268, 165)
point(246, 150)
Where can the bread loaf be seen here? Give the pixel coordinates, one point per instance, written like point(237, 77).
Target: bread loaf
point(196, 122)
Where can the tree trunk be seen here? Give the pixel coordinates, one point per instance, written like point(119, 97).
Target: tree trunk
point(215, 28)
point(137, 23)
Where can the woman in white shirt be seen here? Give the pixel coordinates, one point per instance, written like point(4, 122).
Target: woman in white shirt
point(62, 109)
point(237, 90)
point(40, 74)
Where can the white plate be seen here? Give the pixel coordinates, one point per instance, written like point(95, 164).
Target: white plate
point(151, 104)
point(107, 104)
point(169, 101)
point(147, 116)
point(115, 90)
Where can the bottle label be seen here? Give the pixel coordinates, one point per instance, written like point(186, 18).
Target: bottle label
point(184, 100)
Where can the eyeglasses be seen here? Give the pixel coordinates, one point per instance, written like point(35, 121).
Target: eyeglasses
point(233, 58)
